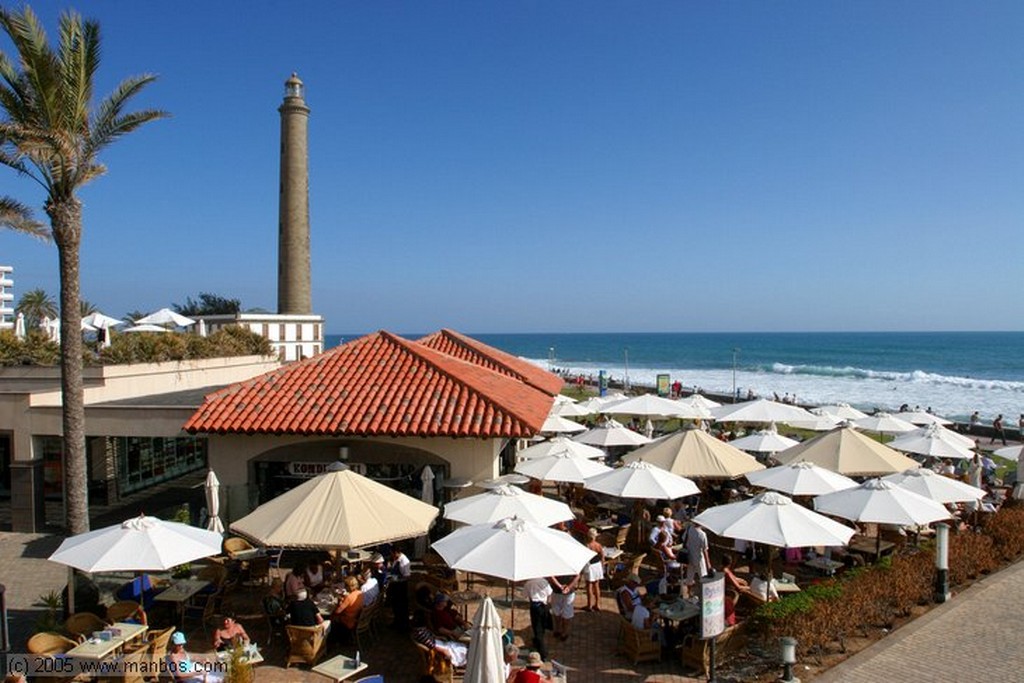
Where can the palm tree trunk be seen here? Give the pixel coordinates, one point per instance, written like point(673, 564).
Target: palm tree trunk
point(66, 223)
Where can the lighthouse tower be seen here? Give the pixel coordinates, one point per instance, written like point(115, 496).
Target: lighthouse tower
point(293, 272)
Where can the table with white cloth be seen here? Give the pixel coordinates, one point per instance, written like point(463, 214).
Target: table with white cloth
point(680, 610)
point(339, 668)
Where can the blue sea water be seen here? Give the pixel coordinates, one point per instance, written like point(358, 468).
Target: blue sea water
point(954, 373)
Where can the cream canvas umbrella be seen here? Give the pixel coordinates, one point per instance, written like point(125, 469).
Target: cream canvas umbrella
point(765, 441)
point(560, 444)
point(556, 424)
point(884, 423)
point(696, 454)
point(881, 502)
point(337, 510)
point(760, 410)
point(212, 490)
point(847, 451)
point(800, 479)
point(774, 519)
point(935, 486)
point(639, 479)
point(611, 434)
point(561, 467)
point(934, 441)
point(485, 661)
point(506, 501)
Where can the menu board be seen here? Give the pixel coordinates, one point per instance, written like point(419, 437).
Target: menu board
point(712, 601)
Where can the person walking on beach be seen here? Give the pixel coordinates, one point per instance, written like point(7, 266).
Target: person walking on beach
point(975, 422)
point(997, 430)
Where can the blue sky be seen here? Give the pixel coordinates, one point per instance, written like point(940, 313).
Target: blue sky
point(570, 166)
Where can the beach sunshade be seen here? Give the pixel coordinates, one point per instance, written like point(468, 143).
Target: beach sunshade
point(701, 402)
point(764, 441)
point(201, 327)
point(507, 501)
point(847, 451)
point(563, 399)
point(884, 423)
point(935, 486)
point(881, 502)
point(510, 479)
point(611, 434)
point(696, 454)
point(564, 409)
point(513, 549)
point(561, 467)
point(145, 328)
point(800, 479)
point(1008, 452)
point(140, 544)
point(560, 444)
point(594, 405)
point(639, 479)
point(650, 405)
point(166, 316)
point(556, 424)
point(843, 411)
point(918, 417)
point(485, 661)
point(339, 509)
point(760, 410)
point(774, 519)
point(818, 422)
point(19, 325)
point(212, 490)
point(99, 321)
point(935, 441)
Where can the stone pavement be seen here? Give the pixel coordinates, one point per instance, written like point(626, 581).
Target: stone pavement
point(976, 636)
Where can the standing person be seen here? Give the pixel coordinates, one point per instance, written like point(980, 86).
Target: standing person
point(594, 572)
point(1020, 428)
point(997, 430)
point(562, 600)
point(538, 592)
point(1018, 489)
point(975, 422)
point(398, 588)
point(697, 557)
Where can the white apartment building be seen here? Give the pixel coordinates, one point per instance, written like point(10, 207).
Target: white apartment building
point(292, 336)
point(6, 297)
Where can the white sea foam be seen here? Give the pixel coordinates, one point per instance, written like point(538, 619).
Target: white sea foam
point(954, 397)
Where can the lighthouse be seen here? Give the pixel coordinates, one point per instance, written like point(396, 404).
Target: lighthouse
point(293, 269)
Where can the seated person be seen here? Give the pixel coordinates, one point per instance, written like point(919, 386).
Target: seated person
point(731, 580)
point(665, 544)
point(369, 587)
point(274, 604)
point(229, 634)
point(295, 581)
point(628, 596)
point(181, 667)
point(454, 651)
point(731, 598)
point(445, 620)
point(511, 657)
point(303, 612)
point(531, 674)
point(314, 577)
point(642, 618)
point(346, 613)
point(378, 570)
point(762, 588)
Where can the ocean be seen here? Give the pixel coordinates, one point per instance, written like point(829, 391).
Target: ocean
point(954, 373)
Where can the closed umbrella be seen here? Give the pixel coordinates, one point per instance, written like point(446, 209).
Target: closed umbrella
point(611, 434)
point(19, 325)
point(561, 467)
point(696, 454)
point(506, 501)
point(639, 479)
point(560, 444)
point(212, 489)
point(485, 661)
point(847, 451)
point(764, 441)
point(427, 496)
point(935, 486)
point(201, 328)
point(800, 479)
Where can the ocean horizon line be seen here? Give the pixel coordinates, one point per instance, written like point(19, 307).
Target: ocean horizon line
point(355, 335)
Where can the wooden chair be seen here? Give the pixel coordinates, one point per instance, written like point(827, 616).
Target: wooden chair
point(81, 625)
point(158, 642)
point(365, 625)
point(206, 610)
point(123, 610)
point(276, 618)
point(216, 574)
point(133, 664)
point(47, 643)
point(306, 644)
point(632, 566)
point(639, 645)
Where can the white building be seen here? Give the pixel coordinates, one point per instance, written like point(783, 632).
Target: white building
point(292, 336)
point(6, 297)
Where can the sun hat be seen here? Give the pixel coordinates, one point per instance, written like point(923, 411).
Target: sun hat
point(377, 558)
point(534, 659)
point(178, 638)
point(660, 518)
point(592, 532)
point(301, 594)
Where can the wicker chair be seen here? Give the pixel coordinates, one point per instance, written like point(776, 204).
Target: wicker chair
point(133, 663)
point(306, 644)
point(47, 643)
point(158, 642)
point(123, 610)
point(235, 544)
point(83, 624)
point(639, 645)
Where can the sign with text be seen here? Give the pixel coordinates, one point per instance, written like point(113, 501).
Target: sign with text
point(602, 383)
point(663, 388)
point(308, 469)
point(712, 601)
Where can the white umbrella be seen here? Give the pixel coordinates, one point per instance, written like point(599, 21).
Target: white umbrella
point(765, 441)
point(935, 486)
point(100, 321)
point(201, 328)
point(140, 544)
point(817, 423)
point(556, 424)
point(510, 479)
point(166, 316)
point(51, 328)
point(881, 502)
point(513, 549)
point(918, 417)
point(594, 405)
point(700, 401)
point(562, 398)
point(934, 441)
point(19, 325)
point(339, 509)
point(212, 488)
point(843, 411)
point(774, 519)
point(800, 479)
point(561, 467)
point(1009, 452)
point(565, 409)
point(506, 501)
point(146, 328)
point(611, 434)
point(884, 423)
point(650, 405)
point(760, 410)
point(641, 479)
point(485, 661)
point(560, 444)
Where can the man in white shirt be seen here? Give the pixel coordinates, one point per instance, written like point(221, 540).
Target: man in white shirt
point(538, 592)
point(369, 588)
point(398, 588)
point(697, 557)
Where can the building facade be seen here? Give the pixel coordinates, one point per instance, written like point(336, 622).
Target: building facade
point(6, 297)
point(293, 337)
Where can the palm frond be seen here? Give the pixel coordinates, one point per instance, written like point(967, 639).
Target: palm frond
point(16, 216)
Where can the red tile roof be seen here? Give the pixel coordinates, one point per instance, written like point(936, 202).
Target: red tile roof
point(469, 349)
point(378, 385)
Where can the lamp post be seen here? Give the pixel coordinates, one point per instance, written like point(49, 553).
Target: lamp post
point(735, 354)
point(941, 562)
point(787, 647)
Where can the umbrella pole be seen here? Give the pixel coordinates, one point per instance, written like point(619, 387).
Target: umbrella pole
point(512, 601)
point(71, 590)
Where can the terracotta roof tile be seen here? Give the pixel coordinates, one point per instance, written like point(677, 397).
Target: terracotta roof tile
point(378, 385)
point(473, 351)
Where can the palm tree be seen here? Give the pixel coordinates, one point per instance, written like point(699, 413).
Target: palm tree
point(52, 133)
point(18, 217)
point(35, 305)
point(87, 308)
